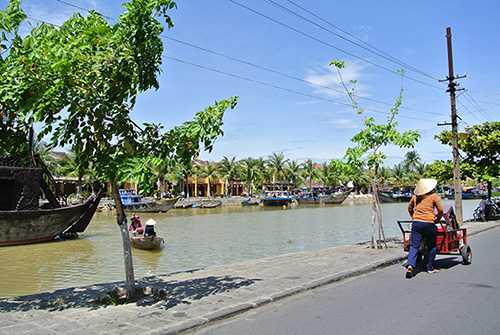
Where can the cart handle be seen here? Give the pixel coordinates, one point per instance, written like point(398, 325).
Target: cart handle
point(401, 227)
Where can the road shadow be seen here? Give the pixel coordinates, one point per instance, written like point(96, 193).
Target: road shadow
point(440, 263)
point(158, 291)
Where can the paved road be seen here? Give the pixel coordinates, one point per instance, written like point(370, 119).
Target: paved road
point(459, 300)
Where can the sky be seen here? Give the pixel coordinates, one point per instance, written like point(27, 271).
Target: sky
point(275, 54)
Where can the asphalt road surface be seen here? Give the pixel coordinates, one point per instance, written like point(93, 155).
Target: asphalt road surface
point(460, 299)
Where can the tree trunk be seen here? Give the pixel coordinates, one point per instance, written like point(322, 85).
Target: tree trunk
point(374, 236)
point(121, 220)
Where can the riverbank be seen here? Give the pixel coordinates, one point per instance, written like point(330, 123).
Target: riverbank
point(180, 301)
point(229, 201)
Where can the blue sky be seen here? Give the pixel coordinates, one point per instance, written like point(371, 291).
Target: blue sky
point(271, 53)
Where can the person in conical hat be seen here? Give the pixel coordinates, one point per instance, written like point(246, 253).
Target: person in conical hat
point(421, 209)
point(150, 230)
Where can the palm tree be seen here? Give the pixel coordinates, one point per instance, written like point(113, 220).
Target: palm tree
point(293, 173)
point(310, 172)
point(386, 175)
point(399, 172)
point(160, 168)
point(69, 168)
point(208, 171)
point(47, 156)
point(421, 168)
point(249, 172)
point(228, 170)
point(412, 160)
point(263, 174)
point(276, 163)
point(325, 175)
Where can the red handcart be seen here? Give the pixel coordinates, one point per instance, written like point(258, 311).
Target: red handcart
point(450, 237)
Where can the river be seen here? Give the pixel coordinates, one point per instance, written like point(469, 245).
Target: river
point(195, 238)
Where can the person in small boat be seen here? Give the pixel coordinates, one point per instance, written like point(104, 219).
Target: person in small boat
point(135, 225)
point(150, 228)
point(421, 209)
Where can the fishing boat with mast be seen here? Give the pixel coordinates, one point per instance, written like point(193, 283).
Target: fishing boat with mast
point(24, 218)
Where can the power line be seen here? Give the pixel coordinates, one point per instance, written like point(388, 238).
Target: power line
point(290, 76)
point(264, 83)
point(473, 102)
point(375, 50)
point(266, 69)
point(474, 115)
point(330, 45)
point(289, 90)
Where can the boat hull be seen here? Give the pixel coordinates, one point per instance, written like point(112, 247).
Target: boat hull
point(159, 206)
point(147, 243)
point(336, 198)
point(82, 223)
point(387, 197)
point(32, 226)
point(276, 201)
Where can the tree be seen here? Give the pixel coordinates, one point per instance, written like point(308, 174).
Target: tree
point(310, 172)
point(276, 164)
point(93, 71)
point(412, 159)
point(293, 172)
point(369, 142)
point(228, 170)
point(209, 171)
point(482, 148)
point(249, 173)
point(440, 170)
point(264, 173)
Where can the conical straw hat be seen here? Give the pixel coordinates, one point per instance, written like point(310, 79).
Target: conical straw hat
point(150, 222)
point(425, 186)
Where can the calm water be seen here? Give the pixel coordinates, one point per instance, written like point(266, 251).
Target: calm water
point(195, 238)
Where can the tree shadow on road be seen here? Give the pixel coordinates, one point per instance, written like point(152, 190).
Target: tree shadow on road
point(151, 290)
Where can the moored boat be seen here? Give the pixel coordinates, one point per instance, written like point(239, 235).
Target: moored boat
point(322, 197)
point(133, 202)
point(251, 202)
point(22, 219)
point(467, 193)
point(396, 194)
point(276, 198)
point(147, 243)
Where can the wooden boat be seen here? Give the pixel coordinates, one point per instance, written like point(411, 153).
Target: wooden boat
point(396, 194)
point(467, 193)
point(183, 204)
point(276, 198)
point(22, 220)
point(83, 222)
point(147, 243)
point(251, 202)
point(207, 204)
point(164, 205)
point(133, 202)
point(322, 197)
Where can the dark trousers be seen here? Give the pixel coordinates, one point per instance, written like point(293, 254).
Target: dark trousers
point(419, 231)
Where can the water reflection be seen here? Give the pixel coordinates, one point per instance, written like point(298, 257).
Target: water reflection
point(194, 238)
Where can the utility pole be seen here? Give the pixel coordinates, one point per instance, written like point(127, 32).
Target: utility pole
point(454, 130)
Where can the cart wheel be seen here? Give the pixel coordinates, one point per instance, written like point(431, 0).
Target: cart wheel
point(466, 254)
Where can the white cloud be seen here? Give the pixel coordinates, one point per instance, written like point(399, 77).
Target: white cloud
point(343, 124)
point(327, 81)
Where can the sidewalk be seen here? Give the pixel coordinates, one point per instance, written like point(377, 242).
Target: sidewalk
point(193, 298)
